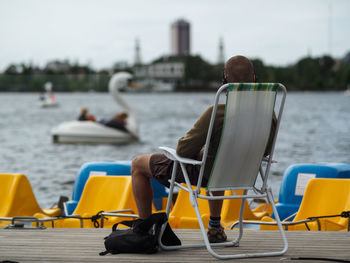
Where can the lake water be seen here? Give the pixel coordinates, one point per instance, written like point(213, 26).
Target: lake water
point(315, 128)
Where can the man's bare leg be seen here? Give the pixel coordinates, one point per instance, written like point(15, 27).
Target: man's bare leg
point(216, 205)
point(141, 185)
point(216, 233)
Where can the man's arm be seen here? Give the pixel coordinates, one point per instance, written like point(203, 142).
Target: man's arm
point(133, 135)
point(272, 135)
point(191, 144)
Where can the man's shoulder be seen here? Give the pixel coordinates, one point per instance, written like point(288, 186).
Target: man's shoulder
point(221, 107)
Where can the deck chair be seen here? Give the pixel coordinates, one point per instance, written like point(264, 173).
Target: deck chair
point(238, 162)
point(323, 197)
point(18, 200)
point(101, 193)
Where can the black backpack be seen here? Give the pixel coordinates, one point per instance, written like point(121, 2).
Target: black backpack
point(141, 237)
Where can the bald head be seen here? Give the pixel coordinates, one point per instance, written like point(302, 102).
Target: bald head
point(239, 69)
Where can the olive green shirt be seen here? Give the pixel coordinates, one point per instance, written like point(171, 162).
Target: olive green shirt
point(192, 144)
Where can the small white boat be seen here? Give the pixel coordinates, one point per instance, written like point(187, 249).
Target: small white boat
point(49, 103)
point(95, 132)
point(48, 100)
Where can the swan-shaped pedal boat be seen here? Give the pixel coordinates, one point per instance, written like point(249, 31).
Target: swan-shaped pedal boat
point(95, 132)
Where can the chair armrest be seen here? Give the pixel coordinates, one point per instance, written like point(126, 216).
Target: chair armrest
point(265, 159)
point(172, 155)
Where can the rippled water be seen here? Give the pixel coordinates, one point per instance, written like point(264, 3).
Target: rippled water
point(315, 128)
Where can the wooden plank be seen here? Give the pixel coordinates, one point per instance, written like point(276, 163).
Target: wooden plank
point(77, 245)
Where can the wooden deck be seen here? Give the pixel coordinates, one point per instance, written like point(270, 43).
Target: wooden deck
point(84, 245)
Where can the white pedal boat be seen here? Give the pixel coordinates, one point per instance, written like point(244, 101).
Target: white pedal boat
point(95, 132)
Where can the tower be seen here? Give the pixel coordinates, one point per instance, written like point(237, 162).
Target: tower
point(180, 38)
point(221, 57)
point(137, 60)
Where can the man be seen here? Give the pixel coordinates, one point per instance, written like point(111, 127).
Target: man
point(157, 166)
point(119, 121)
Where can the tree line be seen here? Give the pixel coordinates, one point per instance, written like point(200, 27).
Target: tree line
point(322, 73)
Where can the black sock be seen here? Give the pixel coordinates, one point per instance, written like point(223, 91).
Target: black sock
point(215, 222)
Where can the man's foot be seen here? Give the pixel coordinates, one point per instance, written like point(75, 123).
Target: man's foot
point(216, 235)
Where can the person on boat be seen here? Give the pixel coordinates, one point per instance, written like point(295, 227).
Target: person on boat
point(85, 116)
point(42, 96)
point(119, 121)
point(159, 167)
point(52, 97)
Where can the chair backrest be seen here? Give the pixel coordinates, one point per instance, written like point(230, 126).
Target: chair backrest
point(106, 193)
point(325, 197)
point(16, 196)
point(295, 180)
point(246, 129)
point(98, 168)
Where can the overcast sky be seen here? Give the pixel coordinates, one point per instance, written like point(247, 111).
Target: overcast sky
point(101, 32)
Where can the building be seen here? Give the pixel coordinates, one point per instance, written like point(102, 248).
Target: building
point(137, 60)
point(162, 75)
point(57, 66)
point(180, 38)
point(162, 70)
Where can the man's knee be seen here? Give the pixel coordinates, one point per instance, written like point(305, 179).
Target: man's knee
point(140, 164)
point(135, 165)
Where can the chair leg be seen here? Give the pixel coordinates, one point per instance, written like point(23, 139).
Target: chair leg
point(241, 212)
point(164, 247)
point(264, 254)
point(278, 220)
point(171, 188)
point(210, 246)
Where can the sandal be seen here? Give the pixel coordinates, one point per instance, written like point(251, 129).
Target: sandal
point(216, 235)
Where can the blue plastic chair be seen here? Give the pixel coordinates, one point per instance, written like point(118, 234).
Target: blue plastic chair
point(296, 178)
point(108, 168)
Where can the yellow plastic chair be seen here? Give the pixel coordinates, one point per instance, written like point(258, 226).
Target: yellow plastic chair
point(17, 199)
point(101, 193)
point(323, 197)
point(231, 208)
point(183, 215)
